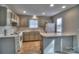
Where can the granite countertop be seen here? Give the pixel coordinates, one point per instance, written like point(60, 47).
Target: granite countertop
point(13, 35)
point(44, 34)
point(57, 34)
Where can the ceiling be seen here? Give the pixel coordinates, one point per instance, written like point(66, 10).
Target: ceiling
point(38, 9)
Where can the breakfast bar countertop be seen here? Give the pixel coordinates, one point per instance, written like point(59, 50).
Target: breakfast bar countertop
point(56, 34)
point(44, 34)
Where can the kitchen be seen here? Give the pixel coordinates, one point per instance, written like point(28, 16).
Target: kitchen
point(39, 29)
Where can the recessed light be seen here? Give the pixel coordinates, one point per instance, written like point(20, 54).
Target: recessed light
point(51, 5)
point(63, 6)
point(24, 12)
point(43, 13)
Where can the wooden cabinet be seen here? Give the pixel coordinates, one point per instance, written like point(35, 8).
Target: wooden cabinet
point(26, 36)
point(23, 23)
point(31, 36)
point(14, 19)
point(34, 35)
point(32, 42)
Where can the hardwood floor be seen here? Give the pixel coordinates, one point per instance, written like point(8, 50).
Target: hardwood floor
point(31, 43)
point(31, 47)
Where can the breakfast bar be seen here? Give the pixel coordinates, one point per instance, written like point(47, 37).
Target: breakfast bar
point(57, 42)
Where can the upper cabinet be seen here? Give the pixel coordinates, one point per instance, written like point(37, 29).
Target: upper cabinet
point(3, 16)
point(12, 18)
point(8, 17)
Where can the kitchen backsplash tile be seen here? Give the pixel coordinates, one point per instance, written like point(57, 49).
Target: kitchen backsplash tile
point(9, 29)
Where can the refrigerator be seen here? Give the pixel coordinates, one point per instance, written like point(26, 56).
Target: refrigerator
point(50, 28)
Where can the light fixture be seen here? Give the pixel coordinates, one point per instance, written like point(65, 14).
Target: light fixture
point(34, 17)
point(63, 6)
point(43, 13)
point(24, 12)
point(51, 5)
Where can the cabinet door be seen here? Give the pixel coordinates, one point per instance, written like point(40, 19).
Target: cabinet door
point(75, 43)
point(67, 43)
point(3, 16)
point(32, 36)
point(23, 22)
point(26, 36)
point(7, 46)
point(48, 45)
point(35, 35)
point(38, 36)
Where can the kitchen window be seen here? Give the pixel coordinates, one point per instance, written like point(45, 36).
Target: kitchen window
point(33, 23)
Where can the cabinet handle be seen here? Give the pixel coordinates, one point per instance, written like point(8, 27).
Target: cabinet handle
point(18, 50)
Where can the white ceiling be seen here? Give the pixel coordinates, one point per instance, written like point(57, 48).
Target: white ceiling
point(38, 9)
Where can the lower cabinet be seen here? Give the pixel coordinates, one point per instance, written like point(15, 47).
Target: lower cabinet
point(7, 45)
point(48, 45)
point(32, 42)
point(31, 47)
point(10, 45)
point(66, 44)
point(76, 43)
point(31, 36)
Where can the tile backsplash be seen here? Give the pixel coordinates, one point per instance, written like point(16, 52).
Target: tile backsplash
point(9, 29)
point(2, 29)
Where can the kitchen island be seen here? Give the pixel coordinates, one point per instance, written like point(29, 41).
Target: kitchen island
point(50, 42)
point(55, 42)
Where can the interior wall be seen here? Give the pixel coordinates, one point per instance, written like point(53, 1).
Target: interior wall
point(71, 19)
point(41, 19)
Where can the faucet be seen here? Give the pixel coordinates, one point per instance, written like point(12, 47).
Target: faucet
point(5, 32)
